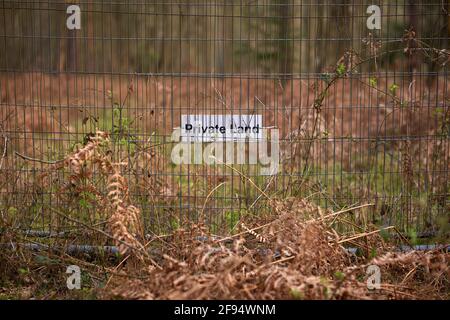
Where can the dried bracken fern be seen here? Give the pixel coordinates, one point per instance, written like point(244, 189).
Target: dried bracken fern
point(297, 254)
point(259, 237)
point(124, 219)
point(301, 259)
point(78, 159)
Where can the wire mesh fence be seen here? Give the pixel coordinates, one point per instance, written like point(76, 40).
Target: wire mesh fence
point(358, 91)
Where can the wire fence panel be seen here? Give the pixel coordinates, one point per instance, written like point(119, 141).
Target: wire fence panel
point(347, 102)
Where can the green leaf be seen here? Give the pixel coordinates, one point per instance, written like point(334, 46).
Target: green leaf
point(384, 234)
point(326, 77)
point(296, 294)
point(412, 233)
point(340, 70)
point(339, 275)
point(393, 88)
point(373, 253)
point(23, 271)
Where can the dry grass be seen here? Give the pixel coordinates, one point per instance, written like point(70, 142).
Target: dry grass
point(292, 250)
point(124, 219)
point(300, 258)
point(293, 253)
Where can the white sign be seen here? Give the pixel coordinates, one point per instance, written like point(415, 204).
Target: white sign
point(374, 21)
point(374, 279)
point(218, 127)
point(74, 20)
point(74, 280)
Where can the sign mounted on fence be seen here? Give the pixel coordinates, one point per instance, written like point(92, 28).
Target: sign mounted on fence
point(218, 127)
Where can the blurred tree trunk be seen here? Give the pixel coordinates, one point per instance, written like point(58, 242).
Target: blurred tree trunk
point(413, 25)
point(340, 24)
point(219, 44)
point(285, 59)
point(162, 38)
point(71, 50)
point(90, 42)
point(443, 42)
point(68, 63)
point(319, 52)
point(185, 47)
